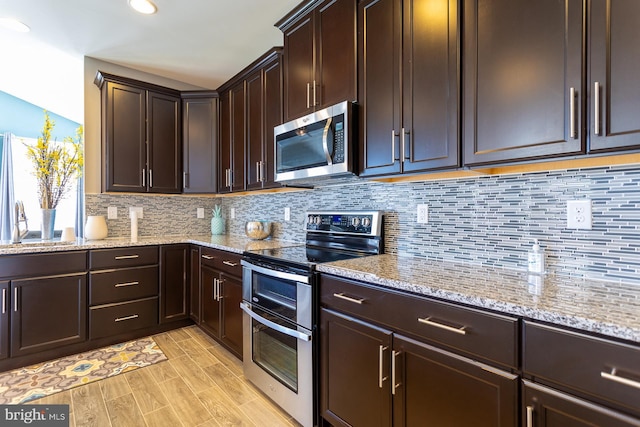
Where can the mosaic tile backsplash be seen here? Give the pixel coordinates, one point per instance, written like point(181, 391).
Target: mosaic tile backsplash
point(488, 220)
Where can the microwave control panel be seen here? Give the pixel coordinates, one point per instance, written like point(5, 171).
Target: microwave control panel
point(338, 141)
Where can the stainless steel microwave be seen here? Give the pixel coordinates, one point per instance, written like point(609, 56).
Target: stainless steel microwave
point(316, 145)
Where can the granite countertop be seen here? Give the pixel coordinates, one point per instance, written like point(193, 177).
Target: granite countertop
point(230, 243)
point(607, 308)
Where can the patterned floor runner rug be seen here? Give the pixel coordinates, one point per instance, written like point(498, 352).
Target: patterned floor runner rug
point(33, 382)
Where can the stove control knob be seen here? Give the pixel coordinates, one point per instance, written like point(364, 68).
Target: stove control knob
point(355, 221)
point(318, 220)
point(366, 221)
point(310, 219)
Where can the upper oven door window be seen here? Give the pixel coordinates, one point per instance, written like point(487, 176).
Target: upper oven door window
point(275, 294)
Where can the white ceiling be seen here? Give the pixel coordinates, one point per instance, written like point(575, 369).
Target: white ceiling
point(200, 42)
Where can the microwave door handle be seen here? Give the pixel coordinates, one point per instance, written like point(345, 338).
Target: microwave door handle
point(325, 141)
point(291, 332)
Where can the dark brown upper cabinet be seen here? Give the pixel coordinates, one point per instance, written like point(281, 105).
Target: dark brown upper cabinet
point(141, 144)
point(319, 56)
point(523, 85)
point(231, 151)
point(614, 77)
point(408, 64)
point(264, 112)
point(199, 141)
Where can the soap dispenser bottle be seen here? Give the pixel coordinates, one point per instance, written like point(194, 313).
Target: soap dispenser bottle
point(536, 259)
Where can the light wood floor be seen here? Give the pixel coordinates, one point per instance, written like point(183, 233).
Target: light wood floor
point(200, 385)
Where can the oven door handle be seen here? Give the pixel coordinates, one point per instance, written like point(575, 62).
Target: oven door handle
point(275, 273)
point(287, 331)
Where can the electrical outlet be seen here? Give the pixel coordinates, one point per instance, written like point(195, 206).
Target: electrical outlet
point(232, 213)
point(579, 214)
point(137, 210)
point(112, 212)
point(423, 214)
point(200, 213)
point(287, 214)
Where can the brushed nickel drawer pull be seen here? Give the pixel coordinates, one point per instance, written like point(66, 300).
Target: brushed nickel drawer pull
point(529, 416)
point(15, 300)
point(230, 264)
point(613, 377)
point(127, 257)
point(4, 300)
point(596, 108)
point(207, 257)
point(428, 321)
point(572, 113)
point(341, 295)
point(394, 386)
point(133, 316)
point(120, 285)
point(381, 379)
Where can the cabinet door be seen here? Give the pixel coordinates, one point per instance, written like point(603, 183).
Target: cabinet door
point(523, 63)
point(335, 69)
point(231, 297)
point(238, 137)
point(254, 129)
point(355, 383)
point(615, 67)
point(195, 292)
point(298, 68)
point(4, 320)
point(210, 316)
point(440, 389)
point(174, 282)
point(48, 313)
point(272, 118)
point(545, 407)
point(224, 149)
point(430, 80)
point(199, 144)
point(380, 92)
point(124, 136)
point(165, 148)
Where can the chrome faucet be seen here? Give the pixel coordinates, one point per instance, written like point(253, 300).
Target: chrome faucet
point(20, 217)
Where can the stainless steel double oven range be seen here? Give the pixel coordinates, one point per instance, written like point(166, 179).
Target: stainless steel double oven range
point(280, 304)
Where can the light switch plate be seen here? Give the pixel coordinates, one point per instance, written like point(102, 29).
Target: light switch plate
point(138, 210)
point(200, 213)
point(112, 212)
point(579, 214)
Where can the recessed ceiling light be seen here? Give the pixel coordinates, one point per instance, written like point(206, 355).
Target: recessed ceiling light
point(14, 24)
point(143, 6)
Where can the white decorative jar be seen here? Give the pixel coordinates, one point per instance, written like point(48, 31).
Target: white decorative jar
point(95, 228)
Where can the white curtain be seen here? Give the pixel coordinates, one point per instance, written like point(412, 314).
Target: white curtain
point(7, 201)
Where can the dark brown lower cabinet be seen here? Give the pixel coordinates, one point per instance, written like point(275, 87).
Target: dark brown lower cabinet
point(174, 282)
point(48, 313)
point(221, 315)
point(371, 376)
point(4, 320)
point(194, 294)
point(545, 407)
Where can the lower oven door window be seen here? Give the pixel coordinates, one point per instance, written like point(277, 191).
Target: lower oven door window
point(274, 346)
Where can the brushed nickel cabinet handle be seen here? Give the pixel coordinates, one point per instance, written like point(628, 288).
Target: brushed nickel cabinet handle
point(529, 416)
point(621, 380)
point(263, 171)
point(120, 285)
point(258, 172)
point(428, 321)
point(207, 257)
point(15, 300)
point(572, 112)
point(144, 177)
point(308, 90)
point(150, 178)
point(120, 319)
point(596, 108)
point(341, 295)
point(121, 257)
point(381, 351)
point(393, 146)
point(394, 385)
point(185, 180)
point(230, 264)
point(402, 150)
point(215, 289)
point(4, 300)
point(314, 94)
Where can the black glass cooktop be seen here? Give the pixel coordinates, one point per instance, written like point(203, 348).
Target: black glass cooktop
point(301, 255)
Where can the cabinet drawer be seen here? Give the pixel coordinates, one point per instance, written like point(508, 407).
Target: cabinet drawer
point(222, 261)
point(43, 264)
point(114, 319)
point(110, 286)
point(475, 333)
point(603, 369)
point(123, 257)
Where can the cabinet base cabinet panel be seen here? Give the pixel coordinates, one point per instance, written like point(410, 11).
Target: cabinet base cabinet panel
point(115, 319)
point(545, 407)
point(351, 394)
point(440, 389)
